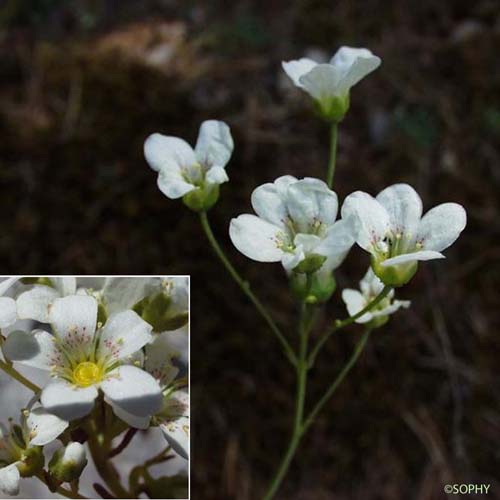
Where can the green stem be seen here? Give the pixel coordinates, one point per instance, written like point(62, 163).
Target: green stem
point(102, 463)
point(333, 154)
point(333, 387)
point(305, 325)
point(245, 287)
point(351, 319)
point(59, 489)
point(10, 370)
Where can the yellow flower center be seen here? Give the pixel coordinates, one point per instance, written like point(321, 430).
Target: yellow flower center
point(87, 373)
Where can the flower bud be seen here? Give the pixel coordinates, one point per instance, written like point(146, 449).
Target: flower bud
point(31, 462)
point(321, 287)
point(394, 276)
point(203, 198)
point(68, 462)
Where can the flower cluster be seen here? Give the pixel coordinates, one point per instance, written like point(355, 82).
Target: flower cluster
point(119, 341)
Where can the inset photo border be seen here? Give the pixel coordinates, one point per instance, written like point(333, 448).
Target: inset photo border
point(94, 387)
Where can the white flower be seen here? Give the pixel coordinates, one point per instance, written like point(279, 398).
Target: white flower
point(392, 229)
point(371, 286)
point(173, 417)
point(34, 303)
point(182, 169)
point(295, 221)
point(329, 84)
point(8, 310)
point(17, 446)
point(82, 360)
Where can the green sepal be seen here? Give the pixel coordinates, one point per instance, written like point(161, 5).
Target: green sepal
point(394, 276)
point(37, 281)
point(202, 198)
point(32, 461)
point(157, 311)
point(320, 290)
point(333, 108)
point(378, 321)
point(310, 264)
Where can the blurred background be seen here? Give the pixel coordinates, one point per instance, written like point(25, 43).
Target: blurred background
point(81, 86)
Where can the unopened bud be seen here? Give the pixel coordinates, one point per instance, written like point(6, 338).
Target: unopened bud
point(68, 463)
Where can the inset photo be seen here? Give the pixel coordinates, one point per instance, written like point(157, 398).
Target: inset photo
point(94, 387)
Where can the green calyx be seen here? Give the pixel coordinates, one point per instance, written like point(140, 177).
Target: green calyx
point(394, 276)
point(32, 461)
point(378, 321)
point(332, 108)
point(317, 289)
point(202, 198)
point(310, 264)
point(157, 310)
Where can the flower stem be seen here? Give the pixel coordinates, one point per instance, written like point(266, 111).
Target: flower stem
point(245, 287)
point(333, 154)
point(333, 387)
point(129, 435)
point(99, 450)
point(59, 489)
point(341, 324)
point(305, 325)
point(10, 370)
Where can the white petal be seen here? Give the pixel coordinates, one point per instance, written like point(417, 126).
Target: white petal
point(369, 219)
point(290, 260)
point(371, 284)
point(34, 303)
point(269, 204)
point(123, 334)
point(9, 479)
point(133, 390)
point(354, 64)
point(296, 69)
point(214, 145)
point(336, 244)
point(282, 183)
point(37, 349)
point(308, 242)
point(441, 226)
point(74, 319)
point(412, 257)
point(322, 82)
point(167, 153)
point(173, 185)
point(159, 356)
point(404, 206)
point(392, 308)
point(44, 427)
point(309, 201)
point(68, 401)
point(7, 283)
point(256, 238)
point(65, 286)
point(216, 175)
point(128, 418)
point(124, 293)
point(8, 312)
point(176, 432)
point(355, 302)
